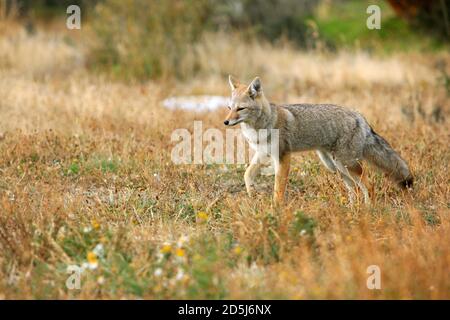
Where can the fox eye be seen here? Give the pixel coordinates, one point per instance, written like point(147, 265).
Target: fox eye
point(229, 108)
point(240, 108)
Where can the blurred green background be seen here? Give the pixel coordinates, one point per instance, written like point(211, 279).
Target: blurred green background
point(149, 39)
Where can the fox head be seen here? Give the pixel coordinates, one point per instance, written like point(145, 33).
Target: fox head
point(246, 102)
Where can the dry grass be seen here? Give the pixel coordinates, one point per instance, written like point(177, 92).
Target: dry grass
point(85, 161)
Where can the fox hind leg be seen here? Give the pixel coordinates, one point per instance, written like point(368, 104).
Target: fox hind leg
point(360, 177)
point(334, 166)
point(348, 181)
point(353, 175)
point(327, 160)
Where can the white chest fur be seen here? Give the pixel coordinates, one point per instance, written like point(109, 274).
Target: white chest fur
point(259, 140)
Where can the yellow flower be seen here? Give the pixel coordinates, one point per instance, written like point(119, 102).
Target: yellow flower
point(202, 216)
point(237, 250)
point(91, 257)
point(166, 248)
point(92, 260)
point(180, 252)
point(95, 224)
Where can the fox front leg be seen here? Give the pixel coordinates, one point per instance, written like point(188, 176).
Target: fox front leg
point(251, 173)
point(281, 178)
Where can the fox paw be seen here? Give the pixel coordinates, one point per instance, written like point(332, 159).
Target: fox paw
point(251, 191)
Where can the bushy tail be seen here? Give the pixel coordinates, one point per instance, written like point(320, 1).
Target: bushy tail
point(379, 152)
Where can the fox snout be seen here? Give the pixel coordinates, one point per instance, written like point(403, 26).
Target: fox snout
point(232, 118)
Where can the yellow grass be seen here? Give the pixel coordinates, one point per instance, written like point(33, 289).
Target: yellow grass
point(86, 161)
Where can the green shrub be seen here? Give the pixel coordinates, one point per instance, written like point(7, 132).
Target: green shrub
point(147, 39)
point(271, 19)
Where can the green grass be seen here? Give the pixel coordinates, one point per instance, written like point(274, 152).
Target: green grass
point(345, 26)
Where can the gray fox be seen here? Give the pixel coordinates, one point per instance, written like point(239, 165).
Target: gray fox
point(341, 137)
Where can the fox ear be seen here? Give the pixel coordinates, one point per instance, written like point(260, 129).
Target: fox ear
point(234, 83)
point(254, 89)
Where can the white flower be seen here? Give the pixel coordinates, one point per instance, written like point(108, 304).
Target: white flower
point(88, 265)
point(87, 229)
point(180, 275)
point(158, 272)
point(159, 256)
point(182, 241)
point(99, 250)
